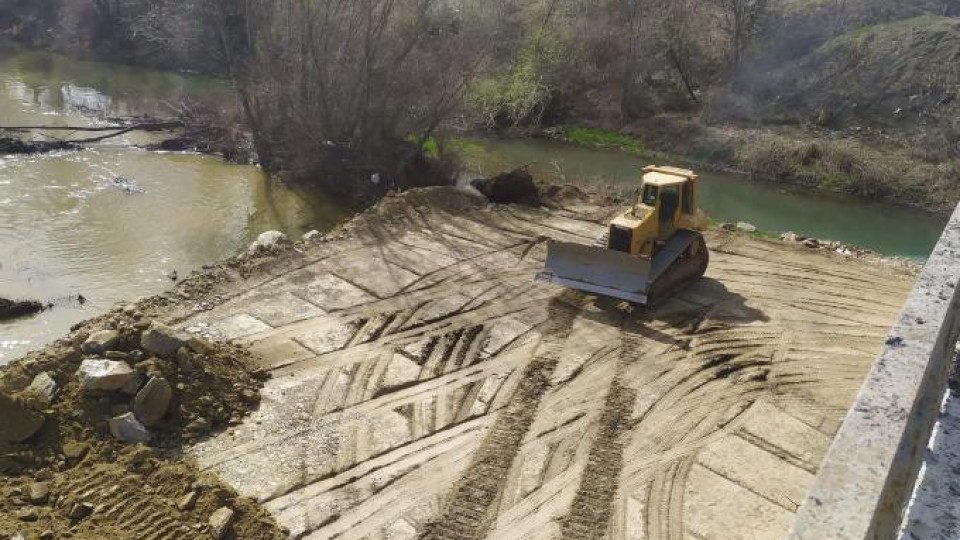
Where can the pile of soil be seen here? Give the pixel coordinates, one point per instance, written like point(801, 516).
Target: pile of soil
point(516, 187)
point(75, 478)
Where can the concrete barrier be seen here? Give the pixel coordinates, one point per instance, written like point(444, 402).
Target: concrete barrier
point(867, 477)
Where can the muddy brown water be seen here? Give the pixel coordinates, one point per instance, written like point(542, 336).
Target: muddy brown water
point(69, 227)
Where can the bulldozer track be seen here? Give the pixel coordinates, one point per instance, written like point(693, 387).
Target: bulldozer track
point(468, 515)
point(436, 391)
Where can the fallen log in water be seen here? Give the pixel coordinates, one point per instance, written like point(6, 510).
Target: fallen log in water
point(11, 309)
point(10, 145)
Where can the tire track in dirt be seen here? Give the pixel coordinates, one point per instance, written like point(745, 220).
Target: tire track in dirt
point(470, 509)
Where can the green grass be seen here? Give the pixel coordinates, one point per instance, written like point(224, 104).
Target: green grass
point(604, 138)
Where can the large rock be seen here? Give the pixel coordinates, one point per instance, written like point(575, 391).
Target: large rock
point(128, 429)
point(106, 375)
point(17, 422)
point(153, 401)
point(509, 188)
point(42, 391)
point(161, 340)
point(269, 241)
point(746, 227)
point(220, 522)
point(101, 342)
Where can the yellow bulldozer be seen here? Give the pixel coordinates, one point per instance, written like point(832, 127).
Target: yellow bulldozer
point(648, 252)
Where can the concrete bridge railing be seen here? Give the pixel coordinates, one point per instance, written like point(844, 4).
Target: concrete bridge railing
point(867, 478)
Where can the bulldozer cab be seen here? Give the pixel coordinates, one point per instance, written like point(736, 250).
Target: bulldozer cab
point(670, 194)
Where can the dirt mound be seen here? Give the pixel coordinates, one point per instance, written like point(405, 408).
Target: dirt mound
point(119, 380)
point(516, 187)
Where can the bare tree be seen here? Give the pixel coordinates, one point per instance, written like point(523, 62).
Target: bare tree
point(339, 87)
point(742, 20)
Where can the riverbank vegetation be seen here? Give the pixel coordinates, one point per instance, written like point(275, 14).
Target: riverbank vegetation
point(855, 96)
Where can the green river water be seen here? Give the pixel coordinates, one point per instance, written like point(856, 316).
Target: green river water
point(66, 228)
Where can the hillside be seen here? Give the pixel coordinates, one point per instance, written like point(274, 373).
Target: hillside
point(902, 77)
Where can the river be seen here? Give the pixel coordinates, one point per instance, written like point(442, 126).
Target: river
point(894, 231)
point(67, 228)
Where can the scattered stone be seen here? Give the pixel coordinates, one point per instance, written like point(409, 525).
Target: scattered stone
point(509, 188)
point(789, 237)
point(188, 501)
point(38, 492)
point(19, 423)
point(811, 243)
point(268, 241)
point(200, 425)
point(75, 452)
point(119, 409)
point(80, 511)
point(220, 522)
point(200, 345)
point(107, 375)
point(42, 390)
point(153, 401)
point(28, 514)
point(746, 227)
point(134, 384)
point(101, 342)
point(128, 429)
point(162, 340)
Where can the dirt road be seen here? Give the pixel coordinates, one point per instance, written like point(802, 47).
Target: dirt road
point(425, 387)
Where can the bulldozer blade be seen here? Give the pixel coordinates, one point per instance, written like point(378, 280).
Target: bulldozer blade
point(597, 270)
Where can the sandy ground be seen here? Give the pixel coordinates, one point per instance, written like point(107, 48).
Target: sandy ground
point(425, 386)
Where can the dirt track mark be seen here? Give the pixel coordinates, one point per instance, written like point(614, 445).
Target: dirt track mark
point(121, 504)
point(590, 514)
point(469, 512)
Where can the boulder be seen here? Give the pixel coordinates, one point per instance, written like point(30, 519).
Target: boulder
point(789, 237)
point(811, 243)
point(101, 342)
point(128, 429)
point(220, 522)
point(80, 511)
point(153, 401)
point(188, 501)
point(162, 340)
point(746, 227)
point(106, 375)
point(19, 423)
point(42, 391)
point(312, 236)
point(509, 188)
point(727, 227)
point(268, 241)
point(74, 452)
point(38, 492)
